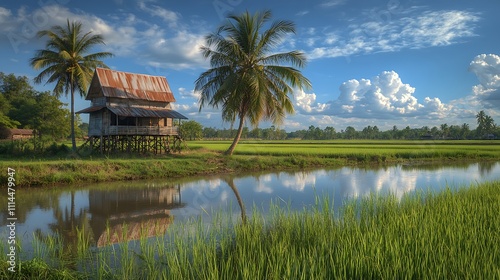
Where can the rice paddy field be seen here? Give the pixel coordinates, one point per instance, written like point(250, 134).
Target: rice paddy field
point(452, 234)
point(386, 149)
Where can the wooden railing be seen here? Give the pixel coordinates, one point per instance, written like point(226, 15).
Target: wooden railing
point(141, 130)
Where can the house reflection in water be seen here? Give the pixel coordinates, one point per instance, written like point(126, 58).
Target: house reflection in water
point(126, 214)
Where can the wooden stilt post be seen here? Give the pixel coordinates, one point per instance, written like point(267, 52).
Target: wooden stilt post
point(100, 145)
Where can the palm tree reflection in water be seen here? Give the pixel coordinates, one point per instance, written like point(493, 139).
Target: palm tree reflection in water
point(230, 182)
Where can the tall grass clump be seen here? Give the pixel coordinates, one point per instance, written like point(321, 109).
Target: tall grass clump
point(452, 234)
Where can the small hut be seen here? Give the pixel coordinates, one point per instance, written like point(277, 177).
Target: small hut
point(15, 133)
point(131, 112)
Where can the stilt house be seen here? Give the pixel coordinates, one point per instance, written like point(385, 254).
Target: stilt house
point(131, 112)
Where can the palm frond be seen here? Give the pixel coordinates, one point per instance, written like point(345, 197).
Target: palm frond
point(295, 58)
point(275, 35)
point(289, 74)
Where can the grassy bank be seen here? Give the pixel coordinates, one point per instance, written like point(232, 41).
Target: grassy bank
point(64, 171)
point(204, 157)
point(453, 234)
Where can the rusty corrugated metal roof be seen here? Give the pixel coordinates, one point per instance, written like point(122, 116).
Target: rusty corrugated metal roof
point(90, 109)
point(119, 84)
point(128, 111)
point(145, 113)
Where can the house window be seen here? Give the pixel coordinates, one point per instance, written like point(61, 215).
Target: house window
point(128, 121)
point(121, 120)
point(114, 119)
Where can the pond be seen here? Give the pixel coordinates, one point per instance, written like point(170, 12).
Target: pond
point(142, 204)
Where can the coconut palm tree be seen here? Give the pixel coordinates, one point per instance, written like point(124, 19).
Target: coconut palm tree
point(485, 124)
point(247, 79)
point(480, 117)
point(66, 61)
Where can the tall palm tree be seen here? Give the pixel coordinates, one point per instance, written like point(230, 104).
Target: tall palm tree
point(247, 79)
point(66, 61)
point(481, 118)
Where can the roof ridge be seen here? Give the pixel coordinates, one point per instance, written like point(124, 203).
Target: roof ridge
point(131, 73)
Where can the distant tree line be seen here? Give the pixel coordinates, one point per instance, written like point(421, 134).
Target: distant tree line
point(271, 133)
point(486, 129)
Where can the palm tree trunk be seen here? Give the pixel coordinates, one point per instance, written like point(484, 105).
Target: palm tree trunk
point(73, 140)
point(230, 183)
point(236, 138)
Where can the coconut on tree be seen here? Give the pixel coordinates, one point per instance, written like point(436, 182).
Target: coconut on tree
point(66, 61)
point(248, 80)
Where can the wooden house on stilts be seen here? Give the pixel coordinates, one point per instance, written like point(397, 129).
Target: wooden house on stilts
point(131, 113)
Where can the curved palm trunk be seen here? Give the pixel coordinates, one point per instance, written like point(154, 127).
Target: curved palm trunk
point(236, 138)
point(230, 183)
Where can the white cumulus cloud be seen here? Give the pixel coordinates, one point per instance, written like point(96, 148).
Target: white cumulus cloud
point(306, 102)
point(385, 96)
point(486, 67)
point(174, 45)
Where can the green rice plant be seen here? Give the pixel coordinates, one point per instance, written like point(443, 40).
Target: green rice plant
point(126, 267)
point(54, 245)
point(83, 243)
point(378, 237)
point(104, 270)
point(148, 254)
point(39, 269)
point(39, 250)
point(363, 150)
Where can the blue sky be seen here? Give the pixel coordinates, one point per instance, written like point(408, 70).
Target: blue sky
point(390, 62)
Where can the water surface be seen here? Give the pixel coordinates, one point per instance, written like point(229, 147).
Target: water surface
point(127, 208)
